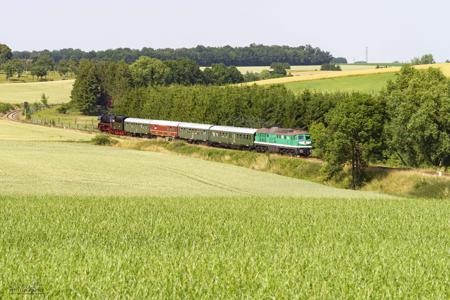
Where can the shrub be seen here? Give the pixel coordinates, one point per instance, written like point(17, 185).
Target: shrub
point(330, 67)
point(5, 107)
point(103, 140)
point(63, 109)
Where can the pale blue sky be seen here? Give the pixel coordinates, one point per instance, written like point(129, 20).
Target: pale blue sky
point(393, 30)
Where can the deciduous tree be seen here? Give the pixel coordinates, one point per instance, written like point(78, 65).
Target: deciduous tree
point(354, 135)
point(148, 71)
point(5, 53)
point(418, 106)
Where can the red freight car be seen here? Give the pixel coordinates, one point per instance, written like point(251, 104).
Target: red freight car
point(164, 128)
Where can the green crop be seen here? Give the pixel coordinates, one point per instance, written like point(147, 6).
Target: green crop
point(246, 247)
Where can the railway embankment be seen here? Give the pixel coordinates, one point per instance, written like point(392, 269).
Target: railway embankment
point(399, 182)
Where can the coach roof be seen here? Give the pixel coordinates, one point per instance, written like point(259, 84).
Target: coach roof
point(234, 129)
point(195, 126)
point(164, 123)
point(138, 121)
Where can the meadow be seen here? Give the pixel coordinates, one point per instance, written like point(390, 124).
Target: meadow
point(88, 221)
point(57, 91)
point(70, 119)
point(372, 83)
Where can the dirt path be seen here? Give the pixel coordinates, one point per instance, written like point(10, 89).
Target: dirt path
point(13, 115)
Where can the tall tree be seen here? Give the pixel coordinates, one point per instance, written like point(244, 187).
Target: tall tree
point(221, 74)
point(5, 53)
point(280, 68)
point(354, 135)
point(148, 71)
point(418, 103)
point(88, 93)
point(19, 65)
point(424, 60)
point(42, 65)
point(9, 68)
point(63, 68)
point(185, 72)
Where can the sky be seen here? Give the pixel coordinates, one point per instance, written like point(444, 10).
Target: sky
point(393, 30)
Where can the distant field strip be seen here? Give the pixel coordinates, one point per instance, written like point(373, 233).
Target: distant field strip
point(335, 74)
point(296, 69)
point(57, 91)
point(363, 83)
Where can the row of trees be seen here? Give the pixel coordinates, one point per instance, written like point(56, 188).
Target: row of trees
point(407, 124)
point(101, 83)
point(277, 69)
point(38, 66)
point(330, 67)
point(426, 59)
point(252, 55)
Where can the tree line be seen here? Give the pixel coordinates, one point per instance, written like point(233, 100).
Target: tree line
point(99, 84)
point(38, 66)
point(252, 55)
point(145, 71)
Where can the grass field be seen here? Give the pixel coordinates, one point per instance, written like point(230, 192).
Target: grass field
point(100, 222)
point(57, 91)
point(372, 83)
point(70, 119)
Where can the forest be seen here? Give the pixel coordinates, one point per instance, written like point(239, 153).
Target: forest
point(252, 55)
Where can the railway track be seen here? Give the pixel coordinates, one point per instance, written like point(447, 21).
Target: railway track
point(14, 116)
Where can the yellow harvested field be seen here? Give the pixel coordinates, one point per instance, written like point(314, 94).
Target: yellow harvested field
point(299, 69)
point(57, 91)
point(304, 76)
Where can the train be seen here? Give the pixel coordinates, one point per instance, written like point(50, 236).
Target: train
point(277, 140)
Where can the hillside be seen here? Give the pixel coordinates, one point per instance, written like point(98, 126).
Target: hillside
point(84, 169)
